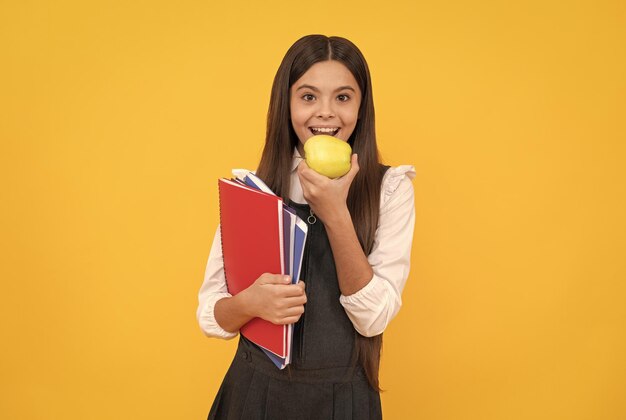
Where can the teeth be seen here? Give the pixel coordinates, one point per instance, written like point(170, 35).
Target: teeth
point(324, 130)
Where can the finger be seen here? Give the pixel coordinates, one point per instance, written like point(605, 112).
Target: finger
point(354, 167)
point(268, 278)
point(291, 302)
point(302, 166)
point(289, 320)
point(293, 311)
point(311, 176)
point(291, 290)
point(304, 182)
point(355, 162)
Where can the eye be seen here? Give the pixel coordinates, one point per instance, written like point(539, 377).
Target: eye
point(343, 98)
point(308, 97)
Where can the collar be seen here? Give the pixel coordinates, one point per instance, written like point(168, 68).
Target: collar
point(296, 159)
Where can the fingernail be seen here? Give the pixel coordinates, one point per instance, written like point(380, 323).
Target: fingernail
point(287, 278)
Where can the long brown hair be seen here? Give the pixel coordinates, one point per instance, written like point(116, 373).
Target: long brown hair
point(364, 195)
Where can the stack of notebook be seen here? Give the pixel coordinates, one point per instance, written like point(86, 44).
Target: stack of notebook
point(260, 234)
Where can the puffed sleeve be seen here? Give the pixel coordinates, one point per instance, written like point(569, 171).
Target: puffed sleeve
point(377, 303)
point(213, 289)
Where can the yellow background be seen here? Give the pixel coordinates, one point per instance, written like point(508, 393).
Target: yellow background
point(117, 118)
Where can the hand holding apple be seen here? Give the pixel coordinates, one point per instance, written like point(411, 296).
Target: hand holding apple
point(328, 155)
point(327, 197)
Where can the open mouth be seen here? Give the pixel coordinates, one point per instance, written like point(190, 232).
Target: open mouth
point(329, 131)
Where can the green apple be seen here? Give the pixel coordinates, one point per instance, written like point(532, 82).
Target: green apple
point(327, 155)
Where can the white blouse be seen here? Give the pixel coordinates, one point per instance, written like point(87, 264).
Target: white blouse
point(374, 306)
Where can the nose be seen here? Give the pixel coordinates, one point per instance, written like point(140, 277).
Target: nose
point(326, 109)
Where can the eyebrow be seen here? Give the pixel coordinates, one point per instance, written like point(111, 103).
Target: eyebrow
point(313, 88)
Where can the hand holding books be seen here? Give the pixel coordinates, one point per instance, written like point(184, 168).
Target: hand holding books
point(273, 298)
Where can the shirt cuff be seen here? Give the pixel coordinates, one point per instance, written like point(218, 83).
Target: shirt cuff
point(371, 308)
point(207, 321)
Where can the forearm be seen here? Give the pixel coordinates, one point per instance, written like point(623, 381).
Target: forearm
point(353, 270)
point(232, 313)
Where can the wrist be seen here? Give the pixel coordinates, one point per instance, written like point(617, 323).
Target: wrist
point(245, 304)
point(339, 217)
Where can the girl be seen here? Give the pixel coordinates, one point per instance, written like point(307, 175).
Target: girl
point(357, 254)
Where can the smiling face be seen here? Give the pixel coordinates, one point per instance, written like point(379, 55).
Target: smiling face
point(325, 100)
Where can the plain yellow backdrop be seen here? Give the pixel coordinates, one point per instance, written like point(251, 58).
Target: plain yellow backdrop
point(117, 118)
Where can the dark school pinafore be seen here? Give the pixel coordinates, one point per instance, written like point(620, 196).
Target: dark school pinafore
point(323, 381)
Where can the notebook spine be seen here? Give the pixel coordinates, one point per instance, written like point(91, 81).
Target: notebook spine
point(219, 199)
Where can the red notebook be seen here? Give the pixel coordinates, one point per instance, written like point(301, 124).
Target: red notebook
point(251, 224)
